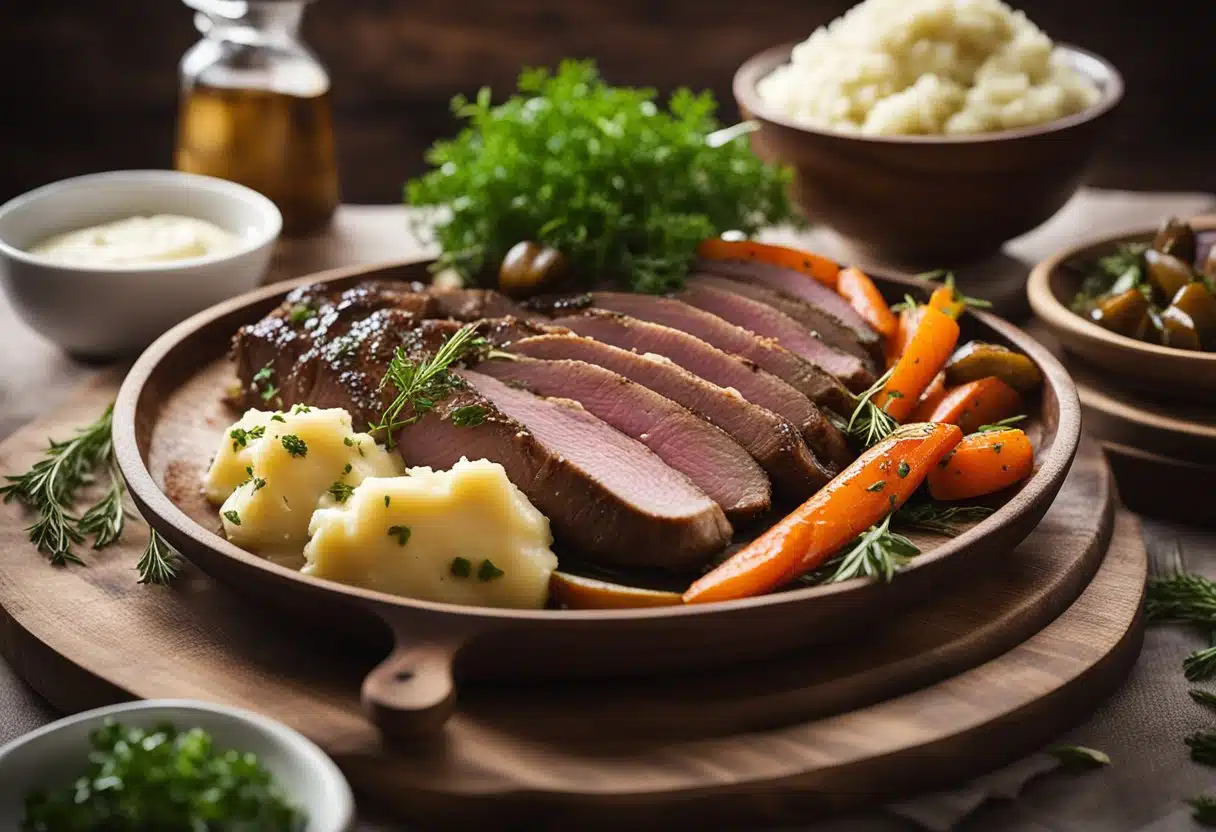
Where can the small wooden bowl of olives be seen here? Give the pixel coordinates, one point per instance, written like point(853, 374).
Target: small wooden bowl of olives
point(1141, 306)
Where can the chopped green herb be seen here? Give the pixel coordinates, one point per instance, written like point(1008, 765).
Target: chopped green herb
point(402, 533)
point(1203, 747)
point(294, 445)
point(232, 517)
point(1001, 425)
point(269, 393)
point(341, 491)
point(1079, 757)
point(487, 571)
point(301, 313)
point(258, 483)
point(347, 469)
point(163, 778)
point(348, 442)
point(468, 416)
point(278, 417)
point(240, 436)
point(877, 486)
point(904, 469)
point(996, 449)
point(387, 499)
point(461, 567)
point(301, 408)
point(263, 374)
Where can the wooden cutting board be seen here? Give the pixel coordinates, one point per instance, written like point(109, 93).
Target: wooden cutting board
point(985, 673)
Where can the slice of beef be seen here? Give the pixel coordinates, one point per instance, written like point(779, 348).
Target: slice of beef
point(772, 441)
point(720, 368)
point(829, 329)
point(791, 283)
point(820, 386)
point(604, 493)
point(764, 320)
point(714, 462)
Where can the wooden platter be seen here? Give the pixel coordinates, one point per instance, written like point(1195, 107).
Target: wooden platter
point(813, 732)
point(169, 417)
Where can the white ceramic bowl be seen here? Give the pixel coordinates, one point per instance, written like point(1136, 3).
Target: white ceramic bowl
point(55, 754)
point(109, 312)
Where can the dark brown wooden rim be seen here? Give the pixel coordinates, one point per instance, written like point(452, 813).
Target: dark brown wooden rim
point(1109, 81)
point(1051, 472)
point(1055, 313)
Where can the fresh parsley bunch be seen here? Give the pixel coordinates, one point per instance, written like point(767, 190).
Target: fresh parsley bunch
point(620, 186)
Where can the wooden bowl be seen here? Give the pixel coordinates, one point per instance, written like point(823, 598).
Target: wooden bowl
point(1163, 371)
point(932, 200)
point(168, 417)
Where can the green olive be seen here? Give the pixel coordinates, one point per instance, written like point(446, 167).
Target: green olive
point(978, 359)
point(1176, 238)
point(1125, 313)
point(1194, 307)
point(530, 267)
point(1166, 273)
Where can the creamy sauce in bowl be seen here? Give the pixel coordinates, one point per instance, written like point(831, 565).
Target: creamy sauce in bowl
point(137, 241)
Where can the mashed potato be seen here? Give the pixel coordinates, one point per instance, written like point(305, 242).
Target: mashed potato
point(899, 67)
point(273, 470)
point(464, 536)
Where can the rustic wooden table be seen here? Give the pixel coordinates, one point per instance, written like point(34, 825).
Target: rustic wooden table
point(1141, 727)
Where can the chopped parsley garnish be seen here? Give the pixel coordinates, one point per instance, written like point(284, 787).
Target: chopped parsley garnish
point(348, 442)
point(278, 417)
point(878, 486)
point(301, 312)
point(387, 500)
point(294, 445)
point(301, 408)
point(269, 393)
point(163, 778)
point(461, 567)
point(347, 469)
point(341, 491)
point(240, 436)
point(232, 517)
point(904, 469)
point(263, 374)
point(488, 571)
point(402, 533)
point(468, 416)
point(258, 483)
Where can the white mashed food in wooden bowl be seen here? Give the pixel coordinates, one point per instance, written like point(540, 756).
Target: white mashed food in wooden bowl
point(927, 67)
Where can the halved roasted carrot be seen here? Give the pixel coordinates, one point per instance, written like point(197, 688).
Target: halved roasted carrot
point(926, 355)
point(812, 265)
point(577, 592)
point(929, 400)
point(982, 463)
point(859, 290)
point(982, 402)
point(909, 320)
point(877, 483)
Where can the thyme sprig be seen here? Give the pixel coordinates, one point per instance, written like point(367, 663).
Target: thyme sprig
point(869, 424)
point(876, 553)
point(50, 489)
point(422, 384)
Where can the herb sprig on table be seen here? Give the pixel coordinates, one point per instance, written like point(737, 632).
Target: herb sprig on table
point(50, 489)
point(620, 186)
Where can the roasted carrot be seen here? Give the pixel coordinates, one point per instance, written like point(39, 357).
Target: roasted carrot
point(909, 320)
point(855, 286)
point(934, 393)
point(926, 355)
point(577, 592)
point(982, 463)
point(877, 483)
point(813, 265)
point(947, 299)
point(982, 402)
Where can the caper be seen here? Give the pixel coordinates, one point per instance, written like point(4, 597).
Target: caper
point(530, 267)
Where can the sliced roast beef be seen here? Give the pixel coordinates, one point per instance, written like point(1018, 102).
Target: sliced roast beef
point(791, 283)
point(771, 440)
point(820, 386)
point(604, 493)
point(829, 328)
point(720, 368)
point(715, 463)
point(769, 322)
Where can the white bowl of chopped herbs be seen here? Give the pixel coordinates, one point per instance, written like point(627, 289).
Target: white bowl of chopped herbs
point(170, 764)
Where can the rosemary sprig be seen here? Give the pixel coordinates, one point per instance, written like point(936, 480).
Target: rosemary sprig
point(159, 562)
point(1203, 747)
point(876, 553)
point(1200, 665)
point(1203, 697)
point(52, 485)
point(1181, 598)
point(1001, 425)
point(423, 384)
point(1205, 809)
point(1078, 757)
point(869, 424)
point(932, 517)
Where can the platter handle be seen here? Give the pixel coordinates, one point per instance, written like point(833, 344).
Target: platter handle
point(413, 691)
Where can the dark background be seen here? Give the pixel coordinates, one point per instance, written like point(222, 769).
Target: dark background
point(92, 84)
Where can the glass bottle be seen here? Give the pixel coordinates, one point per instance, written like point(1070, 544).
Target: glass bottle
point(255, 108)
